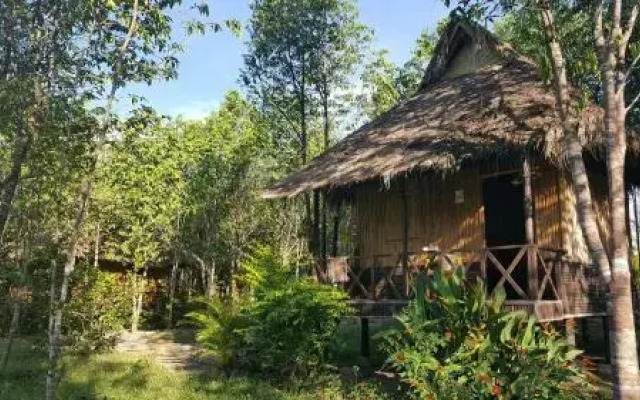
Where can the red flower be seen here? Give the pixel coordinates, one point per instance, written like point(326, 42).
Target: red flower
point(496, 390)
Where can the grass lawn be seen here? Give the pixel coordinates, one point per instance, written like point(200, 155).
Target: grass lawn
point(120, 377)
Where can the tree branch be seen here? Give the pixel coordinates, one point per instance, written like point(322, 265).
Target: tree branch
point(630, 25)
point(632, 103)
point(598, 30)
point(132, 27)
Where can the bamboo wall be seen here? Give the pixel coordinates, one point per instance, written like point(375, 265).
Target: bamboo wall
point(436, 219)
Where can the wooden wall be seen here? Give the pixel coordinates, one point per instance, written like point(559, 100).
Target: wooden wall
point(547, 210)
point(436, 219)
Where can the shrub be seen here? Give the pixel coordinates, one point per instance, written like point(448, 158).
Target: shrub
point(221, 325)
point(293, 326)
point(458, 344)
point(262, 271)
point(97, 312)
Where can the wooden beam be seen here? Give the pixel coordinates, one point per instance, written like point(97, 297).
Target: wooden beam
point(532, 267)
point(336, 227)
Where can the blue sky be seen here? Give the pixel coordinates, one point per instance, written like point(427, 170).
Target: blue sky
point(210, 64)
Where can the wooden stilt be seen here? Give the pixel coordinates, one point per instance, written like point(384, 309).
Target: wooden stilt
point(364, 337)
point(570, 331)
point(607, 349)
point(584, 340)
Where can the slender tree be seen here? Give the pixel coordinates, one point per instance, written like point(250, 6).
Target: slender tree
point(300, 54)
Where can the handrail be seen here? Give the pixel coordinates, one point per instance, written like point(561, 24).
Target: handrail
point(390, 280)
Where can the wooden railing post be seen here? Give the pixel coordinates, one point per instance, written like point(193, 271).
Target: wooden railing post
point(372, 282)
point(532, 272)
point(483, 265)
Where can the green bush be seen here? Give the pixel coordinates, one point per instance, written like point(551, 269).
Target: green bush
point(293, 326)
point(455, 343)
point(97, 312)
point(221, 326)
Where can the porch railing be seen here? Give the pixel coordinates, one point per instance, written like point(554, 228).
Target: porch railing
point(389, 276)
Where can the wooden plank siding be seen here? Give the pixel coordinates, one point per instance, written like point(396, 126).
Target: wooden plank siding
point(546, 207)
point(434, 217)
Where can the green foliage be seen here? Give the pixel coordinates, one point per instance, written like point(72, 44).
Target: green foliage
point(262, 270)
point(98, 311)
point(521, 29)
point(221, 327)
point(285, 333)
point(34, 311)
point(455, 343)
point(300, 56)
point(387, 84)
point(293, 327)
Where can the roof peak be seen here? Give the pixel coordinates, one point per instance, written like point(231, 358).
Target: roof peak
point(461, 33)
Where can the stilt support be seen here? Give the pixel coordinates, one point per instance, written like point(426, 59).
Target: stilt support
point(607, 342)
point(570, 331)
point(364, 337)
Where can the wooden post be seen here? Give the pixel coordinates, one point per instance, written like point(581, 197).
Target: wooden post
point(336, 228)
point(607, 346)
point(316, 225)
point(364, 337)
point(532, 267)
point(324, 227)
point(405, 237)
point(570, 331)
point(584, 339)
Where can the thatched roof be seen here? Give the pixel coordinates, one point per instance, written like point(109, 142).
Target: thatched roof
point(478, 99)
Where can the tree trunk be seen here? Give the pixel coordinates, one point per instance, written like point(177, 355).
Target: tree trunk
point(624, 353)
point(19, 297)
point(50, 388)
point(172, 291)
point(211, 280)
point(134, 302)
point(138, 297)
point(69, 266)
point(616, 274)
point(637, 221)
point(22, 144)
point(96, 249)
point(13, 330)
